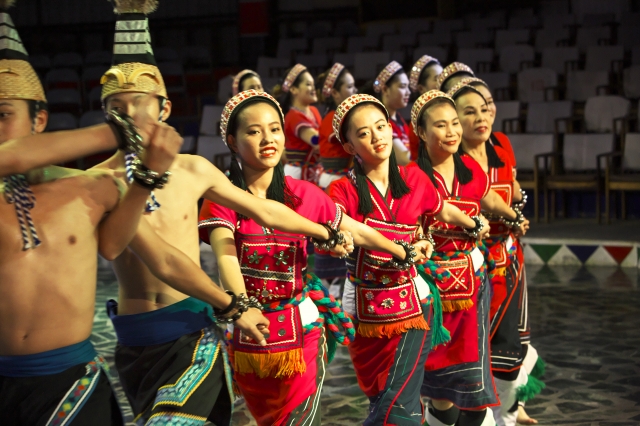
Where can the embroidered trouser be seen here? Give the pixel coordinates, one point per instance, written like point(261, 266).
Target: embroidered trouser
point(293, 400)
point(389, 371)
point(80, 395)
point(180, 382)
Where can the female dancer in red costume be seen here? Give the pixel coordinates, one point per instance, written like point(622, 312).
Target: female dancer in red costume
point(297, 94)
point(393, 306)
point(281, 382)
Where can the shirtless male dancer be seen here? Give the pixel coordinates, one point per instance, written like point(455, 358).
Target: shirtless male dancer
point(170, 354)
point(52, 223)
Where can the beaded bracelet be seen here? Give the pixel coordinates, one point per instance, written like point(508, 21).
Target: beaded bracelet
point(126, 132)
point(147, 178)
point(523, 202)
point(517, 221)
point(428, 237)
point(409, 259)
point(239, 305)
point(475, 232)
point(335, 238)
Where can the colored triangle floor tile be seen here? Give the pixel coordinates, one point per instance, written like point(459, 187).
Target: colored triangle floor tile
point(564, 256)
point(619, 253)
point(582, 252)
point(546, 251)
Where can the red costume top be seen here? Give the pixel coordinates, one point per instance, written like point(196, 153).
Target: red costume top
point(504, 143)
point(401, 130)
point(332, 155)
point(297, 149)
point(396, 219)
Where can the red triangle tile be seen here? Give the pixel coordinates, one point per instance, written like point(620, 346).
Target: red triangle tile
point(618, 253)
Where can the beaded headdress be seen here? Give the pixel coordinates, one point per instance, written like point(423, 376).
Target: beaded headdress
point(238, 100)
point(384, 76)
point(18, 79)
point(292, 76)
point(235, 85)
point(330, 81)
point(451, 70)
point(465, 82)
point(346, 106)
point(421, 103)
point(417, 68)
point(134, 67)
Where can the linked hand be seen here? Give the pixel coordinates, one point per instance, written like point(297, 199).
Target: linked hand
point(254, 325)
point(524, 227)
point(163, 147)
point(485, 229)
point(424, 249)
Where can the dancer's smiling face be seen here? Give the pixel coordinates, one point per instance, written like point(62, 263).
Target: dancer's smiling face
point(368, 134)
point(259, 137)
point(440, 129)
point(474, 117)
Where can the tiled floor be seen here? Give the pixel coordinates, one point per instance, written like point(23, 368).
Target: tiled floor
point(585, 324)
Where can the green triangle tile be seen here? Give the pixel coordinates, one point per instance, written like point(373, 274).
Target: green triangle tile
point(546, 251)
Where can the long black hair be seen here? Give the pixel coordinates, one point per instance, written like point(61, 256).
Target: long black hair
point(397, 185)
point(278, 189)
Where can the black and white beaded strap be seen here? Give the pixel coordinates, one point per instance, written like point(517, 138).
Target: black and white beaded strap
point(18, 192)
point(128, 163)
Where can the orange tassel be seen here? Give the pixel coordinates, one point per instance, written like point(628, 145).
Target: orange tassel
point(278, 365)
point(456, 305)
point(394, 328)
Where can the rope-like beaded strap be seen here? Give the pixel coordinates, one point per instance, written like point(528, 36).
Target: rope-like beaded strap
point(18, 192)
point(129, 158)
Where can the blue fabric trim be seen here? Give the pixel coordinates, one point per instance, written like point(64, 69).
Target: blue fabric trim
point(49, 362)
point(162, 325)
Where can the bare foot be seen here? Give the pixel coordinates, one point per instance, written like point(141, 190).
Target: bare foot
point(523, 417)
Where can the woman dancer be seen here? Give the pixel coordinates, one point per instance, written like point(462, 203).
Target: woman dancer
point(297, 94)
point(507, 351)
point(337, 85)
point(246, 80)
point(533, 364)
point(281, 383)
point(423, 78)
point(391, 87)
point(457, 377)
point(393, 306)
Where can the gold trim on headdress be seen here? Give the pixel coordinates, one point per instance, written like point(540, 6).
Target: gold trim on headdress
point(236, 80)
point(384, 76)
point(132, 77)
point(417, 68)
point(331, 78)
point(18, 80)
point(292, 76)
point(347, 105)
point(465, 82)
point(450, 70)
point(238, 100)
point(421, 103)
